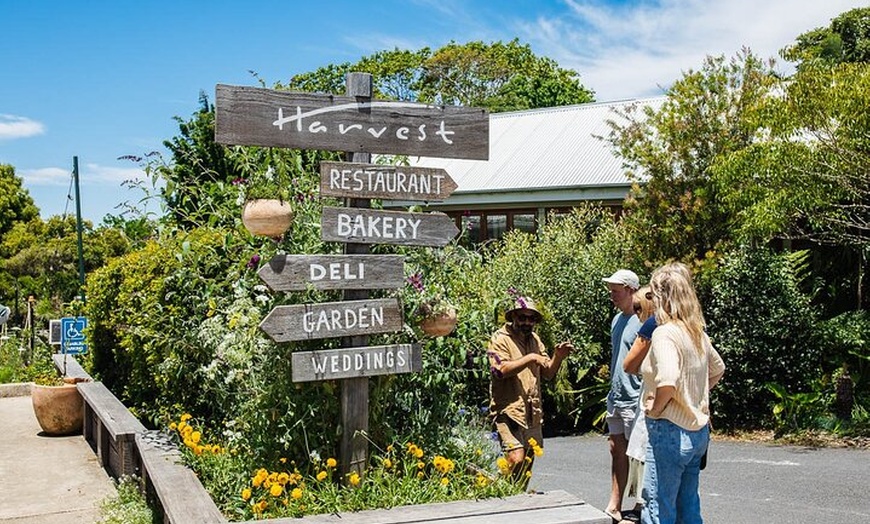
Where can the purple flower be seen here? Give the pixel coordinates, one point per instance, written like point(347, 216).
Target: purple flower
point(416, 281)
point(254, 262)
point(239, 181)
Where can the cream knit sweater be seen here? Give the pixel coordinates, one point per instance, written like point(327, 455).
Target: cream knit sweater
point(674, 361)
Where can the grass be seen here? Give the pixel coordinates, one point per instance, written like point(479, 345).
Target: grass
point(127, 506)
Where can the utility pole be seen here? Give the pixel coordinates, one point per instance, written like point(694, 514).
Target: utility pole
point(79, 228)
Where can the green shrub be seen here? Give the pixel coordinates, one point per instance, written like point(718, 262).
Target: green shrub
point(764, 328)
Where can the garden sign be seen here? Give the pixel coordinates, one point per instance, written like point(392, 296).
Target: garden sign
point(358, 125)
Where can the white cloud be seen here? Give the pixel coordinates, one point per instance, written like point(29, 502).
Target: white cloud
point(46, 176)
point(91, 174)
point(628, 50)
point(12, 127)
point(97, 174)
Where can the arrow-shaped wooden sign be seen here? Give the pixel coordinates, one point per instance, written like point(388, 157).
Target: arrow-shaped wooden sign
point(367, 226)
point(369, 361)
point(299, 272)
point(352, 180)
point(333, 319)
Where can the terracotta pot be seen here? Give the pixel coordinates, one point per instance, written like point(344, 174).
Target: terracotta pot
point(59, 409)
point(439, 325)
point(267, 217)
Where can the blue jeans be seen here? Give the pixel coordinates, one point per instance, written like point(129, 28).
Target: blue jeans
point(670, 483)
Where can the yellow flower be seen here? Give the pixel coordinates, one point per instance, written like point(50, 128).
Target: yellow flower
point(185, 417)
point(421, 465)
point(197, 450)
point(296, 494)
point(331, 462)
point(276, 490)
point(283, 479)
point(390, 448)
point(216, 449)
point(321, 476)
point(503, 465)
point(445, 481)
point(538, 451)
point(528, 474)
point(258, 479)
point(388, 463)
point(246, 493)
point(181, 426)
point(282, 460)
point(173, 426)
point(354, 479)
point(418, 453)
point(195, 437)
point(482, 481)
point(420, 474)
point(532, 442)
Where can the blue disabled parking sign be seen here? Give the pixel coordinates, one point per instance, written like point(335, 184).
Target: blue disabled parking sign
point(72, 335)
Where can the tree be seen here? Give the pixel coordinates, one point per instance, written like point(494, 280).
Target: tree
point(16, 205)
point(497, 76)
point(847, 39)
point(709, 113)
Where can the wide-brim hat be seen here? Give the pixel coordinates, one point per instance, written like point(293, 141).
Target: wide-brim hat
point(523, 304)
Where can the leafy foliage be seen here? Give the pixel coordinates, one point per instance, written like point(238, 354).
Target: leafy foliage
point(680, 211)
point(16, 205)
point(764, 328)
point(497, 76)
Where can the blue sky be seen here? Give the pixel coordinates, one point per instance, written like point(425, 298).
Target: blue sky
point(102, 79)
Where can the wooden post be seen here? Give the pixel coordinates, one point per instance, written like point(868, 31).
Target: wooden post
point(355, 391)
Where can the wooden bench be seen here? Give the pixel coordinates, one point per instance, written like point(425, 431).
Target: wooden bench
point(170, 485)
point(109, 428)
point(553, 507)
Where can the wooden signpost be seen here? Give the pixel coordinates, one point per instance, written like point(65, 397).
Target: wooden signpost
point(346, 179)
point(255, 116)
point(299, 272)
point(357, 125)
point(369, 226)
point(369, 361)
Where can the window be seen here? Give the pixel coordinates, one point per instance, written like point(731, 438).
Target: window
point(524, 222)
point(470, 227)
point(496, 226)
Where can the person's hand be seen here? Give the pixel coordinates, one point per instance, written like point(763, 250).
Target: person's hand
point(564, 348)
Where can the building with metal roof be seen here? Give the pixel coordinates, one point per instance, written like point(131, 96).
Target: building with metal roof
point(540, 161)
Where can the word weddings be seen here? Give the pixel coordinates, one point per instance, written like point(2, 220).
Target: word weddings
point(402, 132)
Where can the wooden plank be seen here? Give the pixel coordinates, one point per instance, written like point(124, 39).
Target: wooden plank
point(256, 116)
point(112, 413)
point(299, 272)
point(386, 227)
point(368, 361)
point(69, 363)
point(354, 180)
point(180, 494)
point(554, 507)
point(333, 319)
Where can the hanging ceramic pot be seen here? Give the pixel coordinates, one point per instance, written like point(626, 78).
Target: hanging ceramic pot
point(267, 217)
point(439, 324)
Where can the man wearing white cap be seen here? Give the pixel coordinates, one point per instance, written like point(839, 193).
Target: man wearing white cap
point(624, 387)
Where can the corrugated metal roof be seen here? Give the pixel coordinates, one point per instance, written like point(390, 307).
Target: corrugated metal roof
point(558, 147)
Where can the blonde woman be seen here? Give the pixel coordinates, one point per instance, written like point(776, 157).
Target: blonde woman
point(636, 450)
point(678, 373)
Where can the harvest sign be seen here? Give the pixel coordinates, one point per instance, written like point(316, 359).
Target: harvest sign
point(256, 116)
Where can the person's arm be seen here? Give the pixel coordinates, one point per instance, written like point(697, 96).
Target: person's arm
point(509, 368)
point(664, 394)
point(634, 357)
point(561, 351)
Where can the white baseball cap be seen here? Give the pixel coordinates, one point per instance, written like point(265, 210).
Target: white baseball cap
point(625, 277)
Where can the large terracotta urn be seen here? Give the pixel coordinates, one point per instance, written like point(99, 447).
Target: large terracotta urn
point(439, 324)
point(59, 409)
point(267, 217)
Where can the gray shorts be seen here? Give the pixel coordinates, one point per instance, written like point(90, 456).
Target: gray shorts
point(620, 421)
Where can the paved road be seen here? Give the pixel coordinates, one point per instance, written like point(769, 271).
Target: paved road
point(744, 483)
